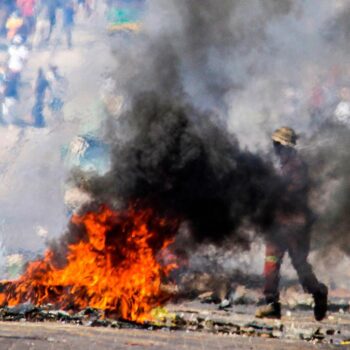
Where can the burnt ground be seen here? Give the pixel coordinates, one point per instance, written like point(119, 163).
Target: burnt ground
point(187, 325)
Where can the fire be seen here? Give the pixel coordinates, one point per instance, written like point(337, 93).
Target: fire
point(114, 267)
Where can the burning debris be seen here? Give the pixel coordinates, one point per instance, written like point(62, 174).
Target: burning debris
point(112, 267)
point(185, 169)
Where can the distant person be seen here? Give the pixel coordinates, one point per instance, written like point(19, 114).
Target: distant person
point(13, 25)
point(68, 21)
point(18, 55)
point(57, 91)
point(6, 8)
point(42, 26)
point(2, 86)
point(41, 86)
point(85, 6)
point(27, 8)
point(316, 105)
point(341, 115)
point(2, 78)
point(10, 97)
point(51, 12)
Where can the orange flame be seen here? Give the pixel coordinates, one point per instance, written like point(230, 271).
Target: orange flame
point(114, 268)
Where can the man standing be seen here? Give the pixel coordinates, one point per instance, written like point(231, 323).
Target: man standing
point(41, 85)
point(57, 91)
point(42, 26)
point(68, 21)
point(51, 8)
point(291, 232)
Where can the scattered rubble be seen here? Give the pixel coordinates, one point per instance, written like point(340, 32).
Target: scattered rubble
point(298, 325)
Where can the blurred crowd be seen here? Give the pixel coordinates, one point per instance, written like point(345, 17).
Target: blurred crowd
point(330, 99)
point(27, 25)
point(322, 100)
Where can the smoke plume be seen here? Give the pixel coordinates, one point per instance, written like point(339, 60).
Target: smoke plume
point(170, 147)
point(181, 162)
point(202, 79)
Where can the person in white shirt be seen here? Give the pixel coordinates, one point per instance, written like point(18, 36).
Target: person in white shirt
point(342, 111)
point(18, 55)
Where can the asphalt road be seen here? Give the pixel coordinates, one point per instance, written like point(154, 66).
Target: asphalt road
point(55, 336)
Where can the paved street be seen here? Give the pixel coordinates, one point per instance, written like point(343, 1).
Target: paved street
point(23, 336)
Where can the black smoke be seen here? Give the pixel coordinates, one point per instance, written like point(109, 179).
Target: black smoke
point(183, 163)
point(170, 149)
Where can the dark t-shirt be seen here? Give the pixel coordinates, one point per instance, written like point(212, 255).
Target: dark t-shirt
point(11, 86)
point(294, 174)
point(41, 85)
